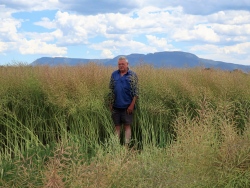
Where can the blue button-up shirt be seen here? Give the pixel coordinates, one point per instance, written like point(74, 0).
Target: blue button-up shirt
point(123, 88)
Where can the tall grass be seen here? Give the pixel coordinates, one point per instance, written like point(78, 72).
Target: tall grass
point(191, 128)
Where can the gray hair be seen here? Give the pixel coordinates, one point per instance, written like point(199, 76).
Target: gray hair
point(123, 58)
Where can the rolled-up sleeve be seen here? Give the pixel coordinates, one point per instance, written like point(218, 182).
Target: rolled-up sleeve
point(134, 85)
point(111, 95)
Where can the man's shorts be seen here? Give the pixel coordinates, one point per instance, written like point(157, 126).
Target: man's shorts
point(120, 116)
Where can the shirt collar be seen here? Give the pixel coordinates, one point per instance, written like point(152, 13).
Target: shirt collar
point(126, 72)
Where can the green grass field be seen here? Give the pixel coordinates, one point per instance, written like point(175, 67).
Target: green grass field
point(191, 129)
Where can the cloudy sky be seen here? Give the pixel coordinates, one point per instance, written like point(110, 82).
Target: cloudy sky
point(213, 29)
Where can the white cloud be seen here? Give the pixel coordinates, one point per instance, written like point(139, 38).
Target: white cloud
point(8, 29)
point(106, 53)
point(119, 22)
point(199, 32)
point(3, 47)
point(88, 7)
point(46, 23)
point(239, 53)
point(77, 29)
point(24, 5)
point(205, 33)
point(124, 47)
point(208, 48)
point(239, 30)
point(231, 17)
point(11, 39)
point(5, 12)
point(39, 47)
point(238, 49)
point(199, 7)
point(160, 43)
point(46, 36)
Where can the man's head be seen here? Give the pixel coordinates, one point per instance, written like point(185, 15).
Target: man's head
point(122, 64)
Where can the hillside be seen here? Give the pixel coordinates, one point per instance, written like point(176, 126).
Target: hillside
point(171, 59)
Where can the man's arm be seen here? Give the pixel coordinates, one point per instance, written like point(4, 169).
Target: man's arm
point(132, 105)
point(135, 93)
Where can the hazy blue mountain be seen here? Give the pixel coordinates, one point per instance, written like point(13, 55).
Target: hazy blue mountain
point(171, 59)
point(53, 61)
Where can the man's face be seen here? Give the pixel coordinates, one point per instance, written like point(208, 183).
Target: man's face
point(122, 65)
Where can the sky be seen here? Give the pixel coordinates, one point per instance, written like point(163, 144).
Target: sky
point(97, 29)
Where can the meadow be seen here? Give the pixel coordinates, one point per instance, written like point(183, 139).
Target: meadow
point(191, 128)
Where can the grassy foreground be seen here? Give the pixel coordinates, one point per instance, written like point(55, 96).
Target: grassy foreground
point(191, 129)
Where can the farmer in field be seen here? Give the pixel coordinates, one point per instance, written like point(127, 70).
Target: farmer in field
point(123, 95)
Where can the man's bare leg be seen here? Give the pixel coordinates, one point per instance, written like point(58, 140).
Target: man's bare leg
point(127, 134)
point(118, 131)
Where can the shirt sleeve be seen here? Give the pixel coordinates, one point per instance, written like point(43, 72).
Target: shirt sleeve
point(134, 85)
point(111, 95)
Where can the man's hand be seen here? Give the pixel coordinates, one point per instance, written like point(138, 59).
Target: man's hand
point(110, 107)
point(130, 109)
point(131, 106)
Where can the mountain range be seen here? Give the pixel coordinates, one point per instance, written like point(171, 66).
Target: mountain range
point(169, 59)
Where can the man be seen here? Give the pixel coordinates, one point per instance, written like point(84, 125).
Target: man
point(123, 95)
